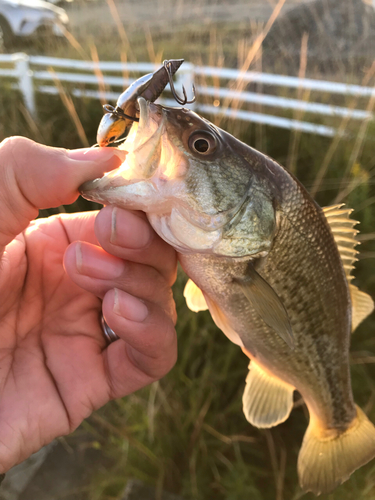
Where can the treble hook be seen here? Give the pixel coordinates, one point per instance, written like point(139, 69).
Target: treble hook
point(118, 112)
point(180, 101)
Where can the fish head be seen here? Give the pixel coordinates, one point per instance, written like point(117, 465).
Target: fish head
point(199, 186)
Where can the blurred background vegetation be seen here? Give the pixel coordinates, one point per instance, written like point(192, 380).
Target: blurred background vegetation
point(187, 434)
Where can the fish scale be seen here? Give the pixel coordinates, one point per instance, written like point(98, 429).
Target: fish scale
point(271, 352)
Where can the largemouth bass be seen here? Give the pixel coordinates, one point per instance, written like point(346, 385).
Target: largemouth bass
point(272, 267)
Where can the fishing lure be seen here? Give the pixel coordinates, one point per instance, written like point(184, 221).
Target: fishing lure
point(150, 86)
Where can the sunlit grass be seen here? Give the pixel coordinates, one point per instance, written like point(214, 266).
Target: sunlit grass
point(187, 433)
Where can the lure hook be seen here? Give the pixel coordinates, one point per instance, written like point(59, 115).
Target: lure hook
point(180, 101)
point(119, 113)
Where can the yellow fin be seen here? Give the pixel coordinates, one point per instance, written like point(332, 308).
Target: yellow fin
point(267, 400)
point(324, 462)
point(344, 235)
point(362, 306)
point(194, 297)
point(346, 239)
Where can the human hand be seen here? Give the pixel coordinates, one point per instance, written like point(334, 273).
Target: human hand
point(55, 365)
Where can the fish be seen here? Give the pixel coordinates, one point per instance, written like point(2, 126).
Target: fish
point(272, 267)
point(150, 86)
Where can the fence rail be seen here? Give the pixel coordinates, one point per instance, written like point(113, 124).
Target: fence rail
point(31, 74)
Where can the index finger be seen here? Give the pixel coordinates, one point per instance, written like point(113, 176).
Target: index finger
point(128, 235)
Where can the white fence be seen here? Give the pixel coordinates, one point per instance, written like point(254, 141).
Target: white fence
point(32, 74)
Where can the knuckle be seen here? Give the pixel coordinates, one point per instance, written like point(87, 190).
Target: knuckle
point(171, 359)
point(158, 336)
point(21, 160)
point(145, 282)
point(13, 143)
point(165, 337)
point(169, 306)
point(8, 151)
point(156, 354)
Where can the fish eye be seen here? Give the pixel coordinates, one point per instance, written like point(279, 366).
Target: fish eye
point(202, 142)
point(111, 139)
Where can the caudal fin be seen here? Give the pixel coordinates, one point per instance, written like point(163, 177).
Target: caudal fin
point(326, 462)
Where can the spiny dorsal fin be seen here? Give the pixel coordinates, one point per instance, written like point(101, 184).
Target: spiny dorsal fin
point(345, 237)
point(194, 297)
point(344, 234)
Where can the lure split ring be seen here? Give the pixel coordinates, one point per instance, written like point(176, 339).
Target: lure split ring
point(119, 113)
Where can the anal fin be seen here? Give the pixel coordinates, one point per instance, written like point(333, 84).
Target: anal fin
point(267, 400)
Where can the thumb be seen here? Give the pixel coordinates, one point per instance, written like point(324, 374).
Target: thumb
point(33, 176)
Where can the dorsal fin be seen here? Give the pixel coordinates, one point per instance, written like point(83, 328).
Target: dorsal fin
point(344, 234)
point(345, 237)
point(362, 306)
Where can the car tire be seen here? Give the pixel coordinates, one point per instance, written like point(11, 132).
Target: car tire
point(6, 35)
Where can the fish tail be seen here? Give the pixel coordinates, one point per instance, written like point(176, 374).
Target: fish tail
point(325, 461)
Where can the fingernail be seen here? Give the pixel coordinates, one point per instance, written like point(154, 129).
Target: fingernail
point(97, 154)
point(128, 230)
point(97, 264)
point(129, 307)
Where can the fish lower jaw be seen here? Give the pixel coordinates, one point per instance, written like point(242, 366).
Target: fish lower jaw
point(132, 196)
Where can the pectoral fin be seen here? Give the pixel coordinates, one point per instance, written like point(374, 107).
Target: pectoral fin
point(267, 304)
point(194, 297)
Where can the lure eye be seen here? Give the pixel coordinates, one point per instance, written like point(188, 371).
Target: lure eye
point(202, 142)
point(111, 139)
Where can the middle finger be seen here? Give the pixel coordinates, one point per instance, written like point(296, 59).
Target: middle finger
point(96, 271)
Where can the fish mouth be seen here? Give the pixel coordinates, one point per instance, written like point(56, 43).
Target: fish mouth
point(143, 145)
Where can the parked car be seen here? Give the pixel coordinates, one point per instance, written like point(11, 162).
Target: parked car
point(25, 20)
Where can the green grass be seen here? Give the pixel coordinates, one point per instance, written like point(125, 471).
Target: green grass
point(187, 434)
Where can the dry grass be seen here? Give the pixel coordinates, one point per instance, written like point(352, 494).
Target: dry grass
point(187, 433)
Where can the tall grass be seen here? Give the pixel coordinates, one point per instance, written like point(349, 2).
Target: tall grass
point(187, 433)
